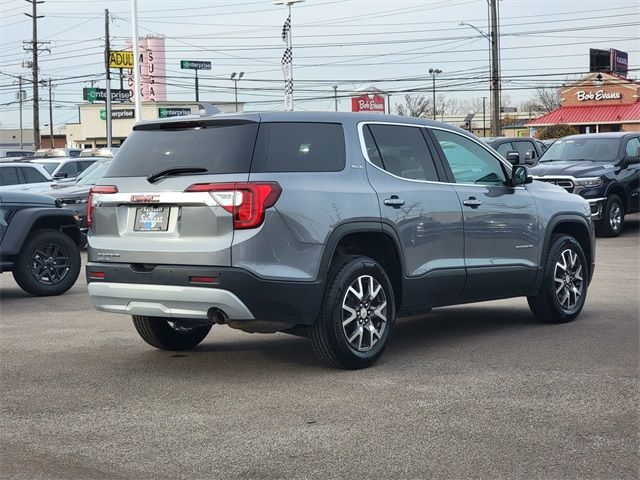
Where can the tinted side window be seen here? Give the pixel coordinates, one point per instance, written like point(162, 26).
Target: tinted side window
point(525, 146)
point(32, 175)
point(372, 150)
point(469, 162)
point(404, 152)
point(300, 147)
point(71, 169)
point(83, 165)
point(503, 148)
point(9, 176)
point(633, 146)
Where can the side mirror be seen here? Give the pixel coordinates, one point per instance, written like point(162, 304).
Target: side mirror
point(60, 175)
point(513, 157)
point(632, 160)
point(520, 175)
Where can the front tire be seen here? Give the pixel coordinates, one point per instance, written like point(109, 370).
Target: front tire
point(612, 217)
point(48, 263)
point(169, 334)
point(357, 316)
point(564, 284)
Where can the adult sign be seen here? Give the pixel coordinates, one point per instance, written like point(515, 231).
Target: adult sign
point(120, 59)
point(92, 94)
point(125, 114)
point(194, 65)
point(368, 103)
point(166, 112)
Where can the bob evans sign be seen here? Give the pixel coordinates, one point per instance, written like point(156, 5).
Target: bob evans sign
point(368, 103)
point(583, 96)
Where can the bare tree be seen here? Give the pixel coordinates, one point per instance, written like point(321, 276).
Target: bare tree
point(546, 99)
point(418, 106)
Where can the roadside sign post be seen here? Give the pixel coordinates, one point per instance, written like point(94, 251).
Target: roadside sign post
point(107, 55)
point(195, 65)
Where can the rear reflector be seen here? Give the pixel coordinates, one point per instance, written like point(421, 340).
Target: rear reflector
point(203, 279)
point(246, 201)
point(97, 275)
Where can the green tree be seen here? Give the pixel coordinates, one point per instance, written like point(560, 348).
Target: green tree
point(556, 131)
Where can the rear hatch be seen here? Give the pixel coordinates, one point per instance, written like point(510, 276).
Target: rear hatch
point(142, 211)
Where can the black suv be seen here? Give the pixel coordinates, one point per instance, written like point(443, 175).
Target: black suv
point(604, 168)
point(39, 243)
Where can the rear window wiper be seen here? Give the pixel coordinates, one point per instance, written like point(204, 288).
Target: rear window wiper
point(167, 172)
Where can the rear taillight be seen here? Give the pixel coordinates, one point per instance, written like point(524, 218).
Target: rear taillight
point(246, 201)
point(97, 189)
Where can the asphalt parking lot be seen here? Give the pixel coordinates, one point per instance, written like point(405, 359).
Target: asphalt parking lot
point(480, 391)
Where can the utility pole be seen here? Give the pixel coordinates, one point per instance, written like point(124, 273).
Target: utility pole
point(107, 48)
point(335, 96)
point(20, 101)
point(484, 117)
point(495, 69)
point(50, 116)
point(34, 47)
point(434, 72)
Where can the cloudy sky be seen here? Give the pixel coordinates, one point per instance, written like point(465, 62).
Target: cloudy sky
point(346, 43)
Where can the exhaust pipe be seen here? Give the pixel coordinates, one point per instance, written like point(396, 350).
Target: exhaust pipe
point(217, 316)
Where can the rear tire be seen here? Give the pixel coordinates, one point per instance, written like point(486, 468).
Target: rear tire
point(168, 334)
point(357, 315)
point(612, 217)
point(564, 284)
point(48, 263)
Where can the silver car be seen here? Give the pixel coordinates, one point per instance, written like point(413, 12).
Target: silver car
point(329, 225)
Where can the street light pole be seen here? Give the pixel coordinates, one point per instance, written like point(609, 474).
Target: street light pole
point(235, 84)
point(434, 72)
point(136, 59)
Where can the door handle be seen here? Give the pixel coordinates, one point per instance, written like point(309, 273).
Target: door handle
point(472, 202)
point(394, 201)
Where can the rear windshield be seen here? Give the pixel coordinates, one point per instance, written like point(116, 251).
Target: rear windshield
point(220, 147)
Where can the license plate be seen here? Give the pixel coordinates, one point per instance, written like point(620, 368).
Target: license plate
point(152, 219)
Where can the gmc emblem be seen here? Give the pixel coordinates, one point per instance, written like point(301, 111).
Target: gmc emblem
point(145, 198)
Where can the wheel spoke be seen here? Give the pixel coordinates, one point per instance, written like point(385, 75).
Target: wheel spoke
point(352, 315)
point(378, 311)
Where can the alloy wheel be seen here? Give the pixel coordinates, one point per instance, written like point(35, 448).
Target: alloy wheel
point(615, 216)
point(569, 283)
point(364, 313)
point(50, 264)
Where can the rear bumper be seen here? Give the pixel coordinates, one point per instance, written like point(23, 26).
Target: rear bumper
point(166, 291)
point(166, 300)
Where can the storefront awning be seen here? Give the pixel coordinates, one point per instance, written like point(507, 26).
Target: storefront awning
point(590, 115)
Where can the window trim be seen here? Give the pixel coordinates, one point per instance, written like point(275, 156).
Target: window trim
point(363, 151)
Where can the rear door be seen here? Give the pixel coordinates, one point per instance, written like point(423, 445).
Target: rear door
point(501, 241)
point(424, 212)
point(159, 222)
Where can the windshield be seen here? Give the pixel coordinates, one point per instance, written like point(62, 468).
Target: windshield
point(92, 174)
point(49, 166)
point(580, 149)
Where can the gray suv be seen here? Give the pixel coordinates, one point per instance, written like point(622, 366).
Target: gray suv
point(324, 224)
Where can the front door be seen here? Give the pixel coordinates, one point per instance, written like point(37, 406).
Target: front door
point(424, 212)
point(501, 241)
